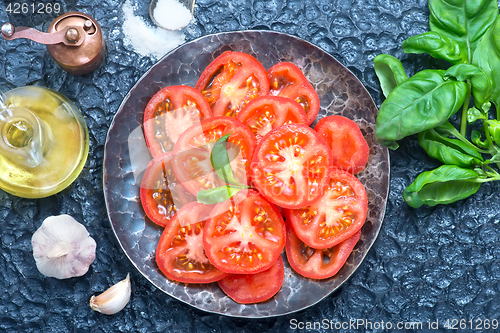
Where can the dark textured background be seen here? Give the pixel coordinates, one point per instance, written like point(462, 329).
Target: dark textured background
point(426, 265)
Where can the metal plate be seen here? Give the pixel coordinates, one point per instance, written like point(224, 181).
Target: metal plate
point(340, 92)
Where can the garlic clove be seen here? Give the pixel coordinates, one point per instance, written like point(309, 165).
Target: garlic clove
point(63, 248)
point(114, 299)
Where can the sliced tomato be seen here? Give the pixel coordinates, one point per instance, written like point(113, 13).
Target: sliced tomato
point(191, 161)
point(318, 264)
point(336, 216)
point(232, 80)
point(264, 113)
point(169, 113)
point(291, 166)
point(349, 148)
point(287, 80)
point(161, 194)
point(180, 254)
point(245, 235)
point(254, 288)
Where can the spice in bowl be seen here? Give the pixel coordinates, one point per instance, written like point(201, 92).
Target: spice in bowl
point(171, 14)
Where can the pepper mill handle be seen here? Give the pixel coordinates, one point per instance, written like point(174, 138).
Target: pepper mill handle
point(70, 36)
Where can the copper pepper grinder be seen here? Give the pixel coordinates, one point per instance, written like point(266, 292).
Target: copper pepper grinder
point(74, 40)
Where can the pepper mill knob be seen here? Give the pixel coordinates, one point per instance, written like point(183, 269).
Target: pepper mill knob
point(72, 35)
point(8, 29)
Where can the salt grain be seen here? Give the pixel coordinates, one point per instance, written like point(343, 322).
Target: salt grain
point(146, 40)
point(172, 14)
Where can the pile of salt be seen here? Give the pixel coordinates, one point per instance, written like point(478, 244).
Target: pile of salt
point(146, 40)
point(171, 14)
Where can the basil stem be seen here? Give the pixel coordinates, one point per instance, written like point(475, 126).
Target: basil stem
point(448, 129)
point(463, 122)
point(218, 194)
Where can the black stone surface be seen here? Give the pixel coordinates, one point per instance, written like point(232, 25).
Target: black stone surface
point(427, 265)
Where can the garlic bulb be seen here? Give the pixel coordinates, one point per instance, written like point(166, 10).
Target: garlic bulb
point(62, 247)
point(114, 299)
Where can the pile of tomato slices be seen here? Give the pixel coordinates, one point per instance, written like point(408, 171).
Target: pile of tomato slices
point(279, 185)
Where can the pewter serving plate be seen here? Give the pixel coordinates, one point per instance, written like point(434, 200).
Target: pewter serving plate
point(340, 92)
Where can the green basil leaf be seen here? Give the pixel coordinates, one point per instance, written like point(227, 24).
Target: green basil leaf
point(390, 72)
point(444, 185)
point(487, 57)
point(437, 45)
point(220, 161)
point(475, 137)
point(474, 114)
point(447, 128)
point(495, 158)
point(495, 153)
point(422, 102)
point(465, 21)
point(494, 128)
point(449, 151)
point(464, 72)
point(218, 194)
point(481, 172)
point(481, 84)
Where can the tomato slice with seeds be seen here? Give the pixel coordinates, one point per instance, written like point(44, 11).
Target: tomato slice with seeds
point(291, 166)
point(246, 234)
point(232, 80)
point(169, 113)
point(318, 264)
point(287, 80)
point(191, 160)
point(161, 194)
point(264, 113)
point(336, 216)
point(254, 288)
point(349, 148)
point(180, 254)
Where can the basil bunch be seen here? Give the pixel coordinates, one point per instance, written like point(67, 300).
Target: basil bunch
point(465, 33)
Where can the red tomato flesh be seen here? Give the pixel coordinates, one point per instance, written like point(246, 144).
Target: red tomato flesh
point(349, 148)
point(169, 113)
point(291, 166)
point(161, 193)
point(254, 288)
point(180, 253)
point(336, 216)
point(191, 160)
point(232, 80)
point(287, 80)
point(318, 264)
point(265, 113)
point(245, 235)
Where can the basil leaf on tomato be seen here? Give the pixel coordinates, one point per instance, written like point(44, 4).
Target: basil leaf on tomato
point(220, 161)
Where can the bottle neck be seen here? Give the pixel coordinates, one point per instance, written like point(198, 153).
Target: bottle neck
point(21, 135)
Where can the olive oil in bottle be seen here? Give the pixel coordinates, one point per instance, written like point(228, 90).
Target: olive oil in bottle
point(43, 142)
